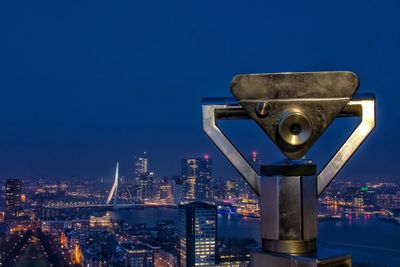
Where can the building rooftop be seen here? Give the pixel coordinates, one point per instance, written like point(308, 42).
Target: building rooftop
point(132, 247)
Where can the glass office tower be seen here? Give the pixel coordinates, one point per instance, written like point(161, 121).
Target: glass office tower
point(197, 179)
point(197, 231)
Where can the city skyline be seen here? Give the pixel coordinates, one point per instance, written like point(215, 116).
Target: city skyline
point(199, 134)
point(143, 162)
point(72, 223)
point(128, 170)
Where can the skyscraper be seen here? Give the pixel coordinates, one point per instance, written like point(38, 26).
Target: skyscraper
point(144, 186)
point(165, 191)
point(177, 186)
point(197, 179)
point(13, 196)
point(143, 178)
point(141, 165)
point(197, 231)
point(189, 175)
point(255, 161)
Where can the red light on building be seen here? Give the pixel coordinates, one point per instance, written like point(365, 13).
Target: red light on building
point(206, 157)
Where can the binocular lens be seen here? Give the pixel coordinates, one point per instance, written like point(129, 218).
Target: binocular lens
point(294, 128)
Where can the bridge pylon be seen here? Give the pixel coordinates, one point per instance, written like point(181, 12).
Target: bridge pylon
point(114, 188)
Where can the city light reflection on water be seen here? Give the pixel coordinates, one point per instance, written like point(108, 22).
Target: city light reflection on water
point(364, 235)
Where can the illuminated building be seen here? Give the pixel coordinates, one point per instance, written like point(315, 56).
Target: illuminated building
point(358, 202)
point(177, 188)
point(230, 185)
point(77, 237)
point(235, 260)
point(141, 165)
point(197, 179)
point(230, 189)
point(102, 222)
point(197, 231)
point(255, 162)
point(63, 240)
point(166, 259)
point(13, 196)
point(144, 186)
point(189, 180)
point(49, 212)
point(80, 224)
point(143, 178)
point(55, 227)
point(166, 194)
point(138, 255)
point(76, 255)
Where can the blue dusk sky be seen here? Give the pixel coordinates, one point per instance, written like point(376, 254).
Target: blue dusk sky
point(84, 84)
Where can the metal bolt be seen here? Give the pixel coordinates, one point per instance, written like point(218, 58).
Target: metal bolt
point(262, 109)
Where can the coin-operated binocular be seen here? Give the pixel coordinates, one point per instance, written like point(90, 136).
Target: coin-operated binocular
point(293, 109)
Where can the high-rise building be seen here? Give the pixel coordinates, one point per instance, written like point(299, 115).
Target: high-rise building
point(143, 178)
point(197, 179)
point(177, 188)
point(189, 175)
point(13, 192)
point(197, 231)
point(166, 192)
point(255, 161)
point(138, 255)
point(144, 186)
point(141, 165)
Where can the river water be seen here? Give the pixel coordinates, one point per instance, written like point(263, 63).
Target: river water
point(366, 237)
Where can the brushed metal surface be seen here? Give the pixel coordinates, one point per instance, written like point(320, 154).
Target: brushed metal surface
point(319, 96)
point(365, 109)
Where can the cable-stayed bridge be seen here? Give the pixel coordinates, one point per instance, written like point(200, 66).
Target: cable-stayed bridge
point(111, 202)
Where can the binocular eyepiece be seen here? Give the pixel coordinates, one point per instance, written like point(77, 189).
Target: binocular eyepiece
point(294, 128)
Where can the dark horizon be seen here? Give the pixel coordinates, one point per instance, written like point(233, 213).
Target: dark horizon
point(84, 85)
